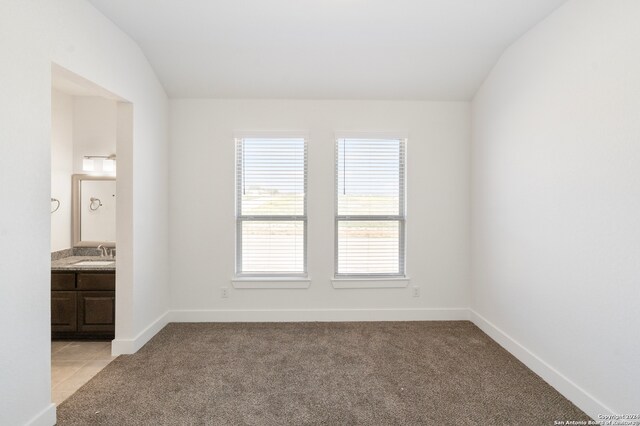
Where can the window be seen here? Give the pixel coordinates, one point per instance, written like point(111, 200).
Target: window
point(271, 221)
point(370, 208)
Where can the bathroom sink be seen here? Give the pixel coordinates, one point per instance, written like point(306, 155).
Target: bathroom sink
point(94, 263)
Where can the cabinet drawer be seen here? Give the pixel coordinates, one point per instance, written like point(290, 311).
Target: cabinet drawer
point(96, 281)
point(63, 281)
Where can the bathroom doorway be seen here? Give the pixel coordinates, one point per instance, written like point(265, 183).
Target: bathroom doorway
point(90, 126)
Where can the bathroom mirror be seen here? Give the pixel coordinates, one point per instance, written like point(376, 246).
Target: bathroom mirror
point(94, 211)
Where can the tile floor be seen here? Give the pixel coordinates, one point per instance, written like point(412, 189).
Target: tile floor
point(74, 363)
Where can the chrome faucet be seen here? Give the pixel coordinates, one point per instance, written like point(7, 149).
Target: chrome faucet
point(104, 251)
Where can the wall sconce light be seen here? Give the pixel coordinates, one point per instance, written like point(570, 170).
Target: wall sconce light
point(99, 163)
point(109, 165)
point(88, 165)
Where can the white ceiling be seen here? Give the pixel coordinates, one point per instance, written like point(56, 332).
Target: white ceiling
point(324, 49)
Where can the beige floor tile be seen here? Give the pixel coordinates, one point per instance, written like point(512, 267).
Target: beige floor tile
point(75, 351)
point(74, 363)
point(57, 345)
point(62, 370)
point(72, 384)
point(104, 354)
point(84, 374)
point(96, 364)
point(58, 396)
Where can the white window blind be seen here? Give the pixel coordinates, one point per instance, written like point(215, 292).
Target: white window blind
point(271, 221)
point(370, 204)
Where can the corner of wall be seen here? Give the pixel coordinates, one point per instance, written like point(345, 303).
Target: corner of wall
point(46, 417)
point(574, 393)
point(131, 346)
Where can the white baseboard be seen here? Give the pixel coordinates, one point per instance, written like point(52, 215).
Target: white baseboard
point(46, 417)
point(313, 315)
point(131, 346)
point(574, 393)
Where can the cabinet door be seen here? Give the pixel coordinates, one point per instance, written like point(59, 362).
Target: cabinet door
point(64, 311)
point(97, 312)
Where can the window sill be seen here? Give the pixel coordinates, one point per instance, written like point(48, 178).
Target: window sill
point(339, 283)
point(270, 283)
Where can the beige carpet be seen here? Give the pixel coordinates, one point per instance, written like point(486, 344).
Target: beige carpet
point(391, 373)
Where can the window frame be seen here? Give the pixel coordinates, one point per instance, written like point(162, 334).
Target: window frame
point(240, 218)
point(401, 217)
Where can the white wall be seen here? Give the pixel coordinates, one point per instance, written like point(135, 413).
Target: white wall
point(556, 200)
point(202, 208)
point(61, 168)
point(73, 34)
point(80, 125)
point(94, 128)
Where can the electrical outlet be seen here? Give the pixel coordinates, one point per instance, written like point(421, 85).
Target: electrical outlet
point(224, 292)
point(416, 291)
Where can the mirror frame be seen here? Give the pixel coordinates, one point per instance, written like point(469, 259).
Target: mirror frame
point(76, 182)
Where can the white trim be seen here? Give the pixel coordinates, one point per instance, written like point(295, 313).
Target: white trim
point(46, 417)
point(313, 315)
point(339, 283)
point(276, 134)
point(270, 283)
point(574, 393)
point(402, 134)
point(131, 346)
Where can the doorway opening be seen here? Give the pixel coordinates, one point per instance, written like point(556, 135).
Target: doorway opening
point(89, 128)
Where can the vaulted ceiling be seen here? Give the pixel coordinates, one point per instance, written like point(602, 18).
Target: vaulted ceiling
point(324, 49)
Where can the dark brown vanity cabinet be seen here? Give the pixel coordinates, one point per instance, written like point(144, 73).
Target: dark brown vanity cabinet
point(83, 305)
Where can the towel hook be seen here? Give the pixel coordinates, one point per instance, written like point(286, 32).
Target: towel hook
point(94, 201)
point(55, 200)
